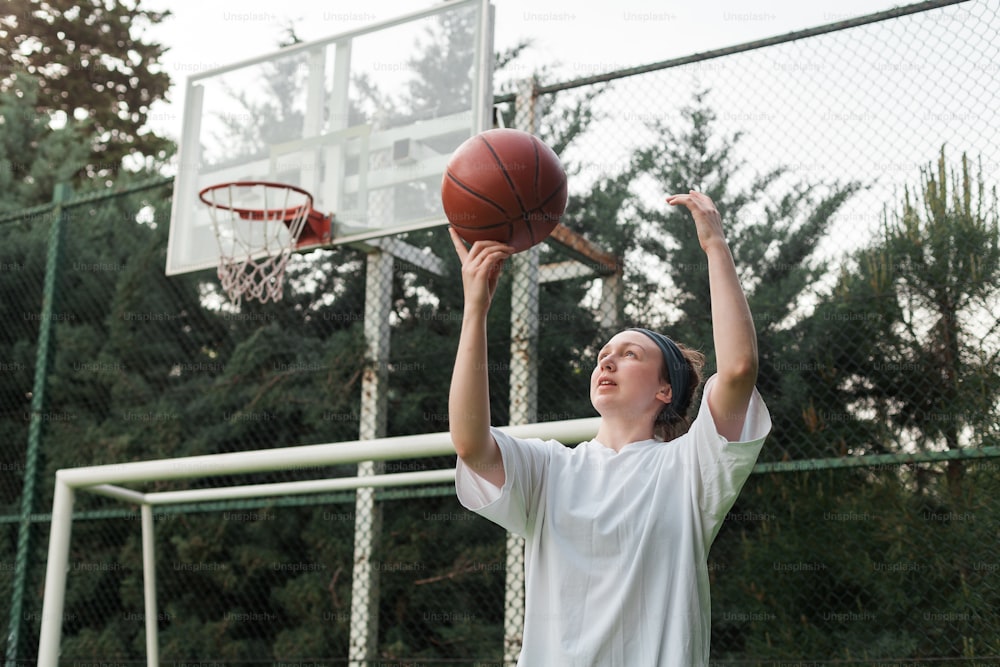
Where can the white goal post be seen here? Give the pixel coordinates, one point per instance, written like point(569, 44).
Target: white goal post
point(107, 480)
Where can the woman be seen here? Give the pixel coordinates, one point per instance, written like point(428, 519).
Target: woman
point(618, 528)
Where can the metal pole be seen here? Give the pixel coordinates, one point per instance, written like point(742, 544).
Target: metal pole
point(523, 382)
point(523, 410)
point(149, 586)
point(374, 388)
point(42, 360)
point(55, 575)
point(611, 302)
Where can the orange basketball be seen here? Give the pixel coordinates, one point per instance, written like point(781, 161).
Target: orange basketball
point(504, 185)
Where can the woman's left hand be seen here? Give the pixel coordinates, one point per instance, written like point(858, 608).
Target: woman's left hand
point(706, 216)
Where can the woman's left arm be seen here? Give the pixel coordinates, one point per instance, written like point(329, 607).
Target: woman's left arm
point(732, 324)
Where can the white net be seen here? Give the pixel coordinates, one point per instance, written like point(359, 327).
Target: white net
point(257, 225)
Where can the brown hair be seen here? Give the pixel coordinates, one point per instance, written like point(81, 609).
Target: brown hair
point(669, 424)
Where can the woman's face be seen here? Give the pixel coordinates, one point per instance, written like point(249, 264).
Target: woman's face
point(628, 379)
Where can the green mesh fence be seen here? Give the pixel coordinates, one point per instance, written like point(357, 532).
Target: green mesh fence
point(869, 255)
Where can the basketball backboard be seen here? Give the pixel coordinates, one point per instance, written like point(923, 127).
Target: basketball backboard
point(364, 120)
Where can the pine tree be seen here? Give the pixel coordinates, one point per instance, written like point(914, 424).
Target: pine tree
point(916, 352)
point(92, 64)
point(34, 157)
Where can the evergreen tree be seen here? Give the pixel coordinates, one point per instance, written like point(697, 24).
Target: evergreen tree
point(91, 63)
point(915, 352)
point(33, 156)
point(859, 563)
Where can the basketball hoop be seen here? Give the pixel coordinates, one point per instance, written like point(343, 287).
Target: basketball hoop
point(258, 226)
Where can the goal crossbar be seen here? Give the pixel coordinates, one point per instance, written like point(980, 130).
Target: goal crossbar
point(274, 490)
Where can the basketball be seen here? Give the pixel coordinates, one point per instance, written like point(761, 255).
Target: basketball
point(504, 185)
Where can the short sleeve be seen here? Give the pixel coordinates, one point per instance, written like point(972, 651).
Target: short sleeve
point(724, 466)
point(515, 505)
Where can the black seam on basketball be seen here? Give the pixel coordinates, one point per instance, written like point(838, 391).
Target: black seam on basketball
point(544, 216)
point(526, 220)
point(503, 170)
point(558, 189)
point(494, 225)
point(476, 194)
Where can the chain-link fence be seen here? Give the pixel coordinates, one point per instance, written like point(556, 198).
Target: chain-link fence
point(867, 536)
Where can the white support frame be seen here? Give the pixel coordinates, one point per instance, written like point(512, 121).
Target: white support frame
point(107, 480)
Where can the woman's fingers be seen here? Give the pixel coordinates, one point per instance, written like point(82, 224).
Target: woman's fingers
point(706, 216)
point(479, 249)
point(486, 259)
point(482, 265)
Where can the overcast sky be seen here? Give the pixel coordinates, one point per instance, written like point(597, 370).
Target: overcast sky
point(574, 38)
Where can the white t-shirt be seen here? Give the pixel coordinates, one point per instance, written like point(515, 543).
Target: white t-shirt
point(616, 544)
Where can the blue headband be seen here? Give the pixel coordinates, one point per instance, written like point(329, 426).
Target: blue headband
point(678, 370)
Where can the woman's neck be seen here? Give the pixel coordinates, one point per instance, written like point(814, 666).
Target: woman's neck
point(615, 434)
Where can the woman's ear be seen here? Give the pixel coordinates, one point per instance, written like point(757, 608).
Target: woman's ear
point(665, 394)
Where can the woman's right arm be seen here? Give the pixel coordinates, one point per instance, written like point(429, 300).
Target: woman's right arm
point(469, 398)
